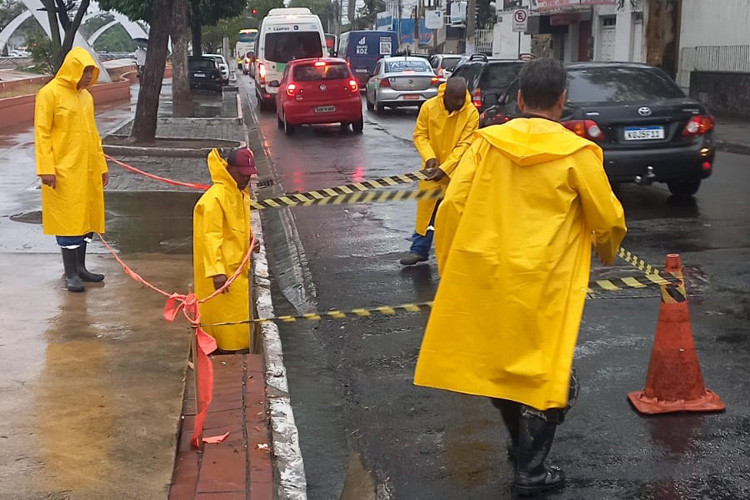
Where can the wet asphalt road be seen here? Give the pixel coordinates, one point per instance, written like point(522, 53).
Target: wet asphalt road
point(366, 431)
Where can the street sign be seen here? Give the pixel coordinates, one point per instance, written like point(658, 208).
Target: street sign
point(433, 19)
point(520, 19)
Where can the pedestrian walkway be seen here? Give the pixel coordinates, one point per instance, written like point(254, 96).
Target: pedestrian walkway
point(239, 467)
point(733, 135)
point(93, 383)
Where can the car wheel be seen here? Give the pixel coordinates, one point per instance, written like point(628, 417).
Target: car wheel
point(379, 108)
point(279, 122)
point(358, 126)
point(288, 129)
point(344, 126)
point(683, 189)
point(370, 107)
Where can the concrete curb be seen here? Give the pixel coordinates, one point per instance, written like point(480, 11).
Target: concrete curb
point(290, 481)
point(730, 147)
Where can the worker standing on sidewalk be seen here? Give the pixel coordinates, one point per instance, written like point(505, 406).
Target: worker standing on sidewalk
point(221, 239)
point(443, 132)
point(513, 244)
point(70, 163)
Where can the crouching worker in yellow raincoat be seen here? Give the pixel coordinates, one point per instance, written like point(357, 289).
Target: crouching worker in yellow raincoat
point(221, 239)
point(444, 130)
point(513, 241)
point(70, 163)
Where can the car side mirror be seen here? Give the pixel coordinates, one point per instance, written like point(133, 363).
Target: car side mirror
point(503, 99)
point(274, 83)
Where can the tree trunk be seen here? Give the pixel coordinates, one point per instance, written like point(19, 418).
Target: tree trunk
point(54, 28)
point(72, 29)
point(146, 111)
point(197, 39)
point(180, 82)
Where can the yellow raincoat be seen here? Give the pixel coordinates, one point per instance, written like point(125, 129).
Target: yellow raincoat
point(445, 136)
point(513, 242)
point(68, 146)
point(221, 239)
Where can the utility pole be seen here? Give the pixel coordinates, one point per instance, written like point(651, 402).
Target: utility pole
point(471, 26)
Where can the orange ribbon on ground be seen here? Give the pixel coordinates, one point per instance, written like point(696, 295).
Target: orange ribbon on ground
point(192, 185)
point(205, 344)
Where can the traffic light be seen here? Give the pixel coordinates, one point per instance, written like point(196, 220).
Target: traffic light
point(255, 12)
point(477, 25)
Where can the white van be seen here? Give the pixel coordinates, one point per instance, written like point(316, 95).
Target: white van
point(285, 34)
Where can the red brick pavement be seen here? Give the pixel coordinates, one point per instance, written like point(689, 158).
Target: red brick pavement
point(240, 467)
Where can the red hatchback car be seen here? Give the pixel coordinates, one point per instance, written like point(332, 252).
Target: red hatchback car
point(315, 91)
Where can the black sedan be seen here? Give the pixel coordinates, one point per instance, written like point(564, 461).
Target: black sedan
point(203, 73)
point(648, 129)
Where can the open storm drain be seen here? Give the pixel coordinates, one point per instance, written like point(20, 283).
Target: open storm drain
point(33, 217)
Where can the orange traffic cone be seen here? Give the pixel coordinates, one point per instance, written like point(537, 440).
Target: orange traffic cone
point(674, 382)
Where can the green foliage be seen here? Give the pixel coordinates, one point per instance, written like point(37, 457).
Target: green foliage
point(94, 23)
point(214, 35)
point(209, 12)
point(263, 6)
point(9, 10)
point(43, 54)
point(487, 15)
point(326, 10)
point(367, 14)
point(115, 39)
point(135, 10)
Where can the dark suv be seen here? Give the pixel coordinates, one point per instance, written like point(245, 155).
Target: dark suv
point(488, 78)
point(203, 73)
point(646, 126)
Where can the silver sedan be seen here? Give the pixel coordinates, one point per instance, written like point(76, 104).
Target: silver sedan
point(401, 81)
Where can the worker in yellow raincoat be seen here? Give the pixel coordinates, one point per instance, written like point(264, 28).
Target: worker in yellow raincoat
point(444, 130)
point(70, 163)
point(513, 242)
point(221, 239)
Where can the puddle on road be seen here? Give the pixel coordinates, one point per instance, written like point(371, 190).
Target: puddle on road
point(31, 217)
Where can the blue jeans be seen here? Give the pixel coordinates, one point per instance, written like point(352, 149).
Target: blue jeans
point(73, 242)
point(420, 245)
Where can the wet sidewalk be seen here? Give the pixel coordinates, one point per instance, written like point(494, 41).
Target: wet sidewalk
point(733, 135)
point(93, 384)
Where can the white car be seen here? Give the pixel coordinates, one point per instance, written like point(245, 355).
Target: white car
point(401, 81)
point(17, 53)
point(221, 63)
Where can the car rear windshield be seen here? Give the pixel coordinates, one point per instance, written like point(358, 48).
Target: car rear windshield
point(469, 71)
point(601, 85)
point(283, 47)
point(312, 73)
point(449, 63)
point(201, 64)
point(499, 76)
point(400, 66)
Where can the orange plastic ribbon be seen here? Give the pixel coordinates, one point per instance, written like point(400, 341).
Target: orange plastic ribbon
point(192, 185)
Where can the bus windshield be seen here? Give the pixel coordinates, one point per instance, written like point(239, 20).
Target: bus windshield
point(288, 45)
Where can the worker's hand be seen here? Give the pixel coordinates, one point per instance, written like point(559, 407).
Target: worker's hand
point(219, 281)
point(105, 179)
point(434, 174)
point(256, 245)
point(49, 180)
point(431, 163)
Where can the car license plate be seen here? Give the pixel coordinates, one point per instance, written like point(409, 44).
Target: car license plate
point(325, 109)
point(199, 75)
point(644, 133)
point(360, 70)
point(411, 97)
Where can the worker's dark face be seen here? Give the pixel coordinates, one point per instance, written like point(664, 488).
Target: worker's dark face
point(88, 75)
point(241, 179)
point(454, 99)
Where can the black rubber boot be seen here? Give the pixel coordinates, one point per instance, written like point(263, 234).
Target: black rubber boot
point(511, 412)
point(84, 273)
point(535, 435)
point(73, 282)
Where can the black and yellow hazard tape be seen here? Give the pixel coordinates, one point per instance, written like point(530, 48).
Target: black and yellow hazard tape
point(605, 285)
point(379, 196)
point(338, 314)
point(316, 197)
point(637, 262)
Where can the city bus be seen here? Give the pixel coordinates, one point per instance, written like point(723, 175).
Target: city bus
point(244, 44)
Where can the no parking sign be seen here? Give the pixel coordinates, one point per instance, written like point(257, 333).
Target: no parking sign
point(520, 19)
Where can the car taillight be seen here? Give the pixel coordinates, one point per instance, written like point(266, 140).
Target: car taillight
point(320, 64)
point(385, 82)
point(353, 85)
point(291, 88)
point(262, 72)
point(588, 129)
point(434, 81)
point(476, 98)
point(698, 125)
